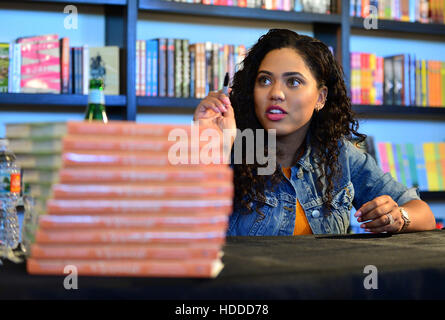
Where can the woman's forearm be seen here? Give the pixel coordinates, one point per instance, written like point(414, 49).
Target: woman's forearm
point(421, 216)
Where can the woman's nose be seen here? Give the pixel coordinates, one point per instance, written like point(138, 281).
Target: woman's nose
point(276, 92)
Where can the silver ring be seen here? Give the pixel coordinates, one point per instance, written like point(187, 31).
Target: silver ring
point(390, 218)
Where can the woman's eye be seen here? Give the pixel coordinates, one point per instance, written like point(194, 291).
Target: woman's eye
point(264, 81)
point(293, 82)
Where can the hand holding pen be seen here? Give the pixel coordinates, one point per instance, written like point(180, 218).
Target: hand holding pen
point(218, 101)
point(216, 109)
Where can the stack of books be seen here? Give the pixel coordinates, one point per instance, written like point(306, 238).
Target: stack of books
point(38, 150)
point(124, 206)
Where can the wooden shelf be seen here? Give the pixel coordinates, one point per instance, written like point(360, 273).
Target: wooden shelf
point(432, 195)
point(56, 99)
point(401, 26)
point(237, 12)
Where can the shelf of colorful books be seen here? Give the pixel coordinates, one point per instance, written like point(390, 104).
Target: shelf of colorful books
point(407, 111)
point(89, 2)
point(432, 195)
point(57, 99)
point(237, 12)
point(400, 26)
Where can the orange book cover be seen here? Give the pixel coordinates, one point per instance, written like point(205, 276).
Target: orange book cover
point(127, 128)
point(131, 191)
point(181, 251)
point(152, 222)
point(74, 207)
point(125, 143)
point(208, 268)
point(214, 234)
point(146, 159)
point(146, 175)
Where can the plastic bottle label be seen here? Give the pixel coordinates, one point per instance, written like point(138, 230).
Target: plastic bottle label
point(15, 182)
point(96, 96)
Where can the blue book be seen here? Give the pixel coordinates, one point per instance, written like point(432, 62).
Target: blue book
point(154, 68)
point(421, 168)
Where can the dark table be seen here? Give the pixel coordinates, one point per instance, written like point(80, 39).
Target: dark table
point(409, 266)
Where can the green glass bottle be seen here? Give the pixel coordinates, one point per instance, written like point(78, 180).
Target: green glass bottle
point(96, 102)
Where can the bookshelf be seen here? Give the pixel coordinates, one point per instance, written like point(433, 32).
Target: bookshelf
point(121, 18)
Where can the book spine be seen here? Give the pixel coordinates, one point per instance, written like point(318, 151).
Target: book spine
point(128, 236)
point(192, 51)
point(383, 156)
point(430, 165)
point(442, 76)
point(152, 222)
point(143, 68)
point(440, 173)
point(406, 165)
point(17, 68)
point(114, 252)
point(170, 67)
point(391, 162)
point(195, 269)
point(178, 72)
point(138, 67)
point(389, 81)
point(400, 164)
point(441, 147)
point(424, 84)
point(397, 163)
point(73, 191)
point(410, 149)
point(162, 63)
point(154, 68)
point(421, 168)
point(186, 69)
point(149, 66)
point(406, 79)
point(86, 69)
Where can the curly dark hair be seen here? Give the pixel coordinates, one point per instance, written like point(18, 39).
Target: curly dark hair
point(327, 128)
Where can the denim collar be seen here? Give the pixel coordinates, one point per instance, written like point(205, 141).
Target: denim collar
point(304, 161)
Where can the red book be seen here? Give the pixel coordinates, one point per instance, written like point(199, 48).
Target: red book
point(126, 251)
point(208, 268)
point(64, 64)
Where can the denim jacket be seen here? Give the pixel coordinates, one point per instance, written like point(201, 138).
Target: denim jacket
point(361, 180)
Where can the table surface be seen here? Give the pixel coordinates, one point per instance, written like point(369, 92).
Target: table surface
point(409, 266)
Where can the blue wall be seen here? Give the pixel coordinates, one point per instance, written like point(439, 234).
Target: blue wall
point(36, 19)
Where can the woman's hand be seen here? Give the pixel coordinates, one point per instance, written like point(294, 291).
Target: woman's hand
point(384, 214)
point(215, 111)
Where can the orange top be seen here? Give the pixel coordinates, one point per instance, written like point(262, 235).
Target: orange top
point(301, 224)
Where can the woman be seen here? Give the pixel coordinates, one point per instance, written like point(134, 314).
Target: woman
point(293, 84)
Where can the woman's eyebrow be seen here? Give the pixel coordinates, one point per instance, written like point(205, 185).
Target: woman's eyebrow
point(286, 74)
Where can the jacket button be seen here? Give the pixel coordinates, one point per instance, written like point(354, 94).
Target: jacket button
point(315, 214)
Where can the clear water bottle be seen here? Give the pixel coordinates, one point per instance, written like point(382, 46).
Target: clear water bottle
point(9, 194)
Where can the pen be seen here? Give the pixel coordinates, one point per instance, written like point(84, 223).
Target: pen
point(226, 84)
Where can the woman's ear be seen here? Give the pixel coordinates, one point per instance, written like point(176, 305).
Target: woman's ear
point(322, 96)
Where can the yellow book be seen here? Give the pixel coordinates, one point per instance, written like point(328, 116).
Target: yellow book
point(390, 155)
point(441, 147)
point(431, 168)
